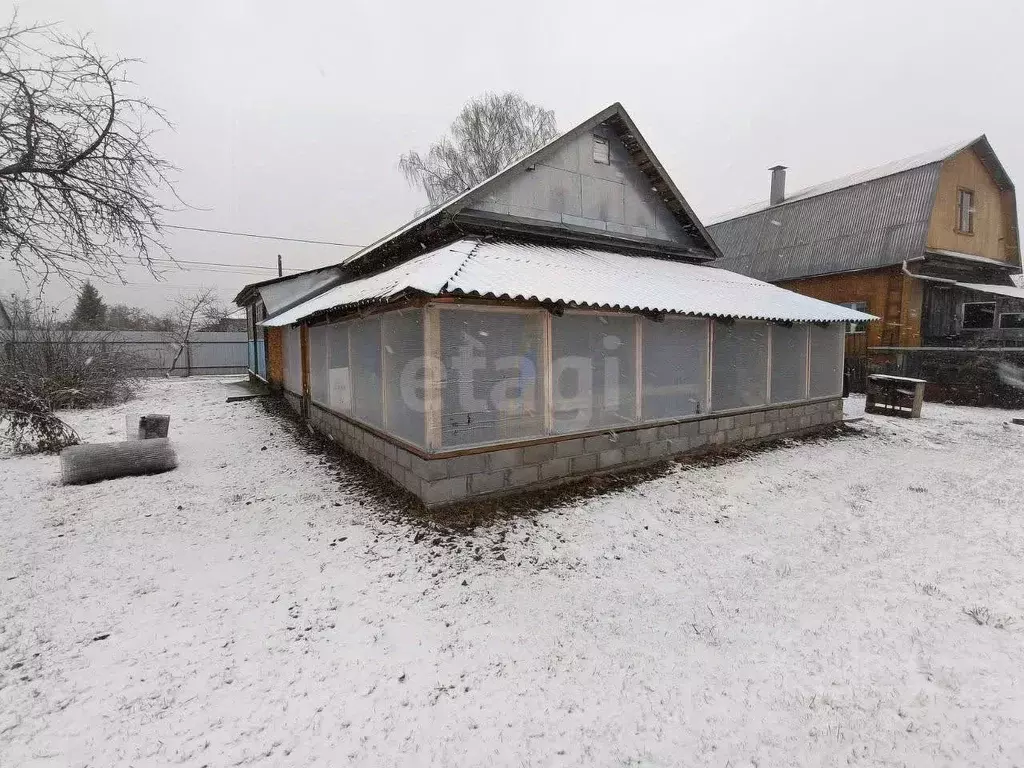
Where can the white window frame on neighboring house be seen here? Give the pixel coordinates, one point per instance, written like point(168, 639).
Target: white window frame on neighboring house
point(856, 326)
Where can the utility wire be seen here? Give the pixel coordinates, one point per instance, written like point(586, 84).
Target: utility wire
point(220, 264)
point(262, 237)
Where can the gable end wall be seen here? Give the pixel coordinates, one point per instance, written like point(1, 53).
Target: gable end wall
point(568, 188)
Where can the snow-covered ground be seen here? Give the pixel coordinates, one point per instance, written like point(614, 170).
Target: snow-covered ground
point(800, 606)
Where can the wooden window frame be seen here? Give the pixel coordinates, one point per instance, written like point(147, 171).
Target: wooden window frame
point(963, 316)
point(960, 191)
point(598, 141)
point(1010, 327)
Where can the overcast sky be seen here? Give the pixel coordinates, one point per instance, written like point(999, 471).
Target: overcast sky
point(290, 116)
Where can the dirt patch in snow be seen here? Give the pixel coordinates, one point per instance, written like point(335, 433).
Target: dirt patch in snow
point(395, 503)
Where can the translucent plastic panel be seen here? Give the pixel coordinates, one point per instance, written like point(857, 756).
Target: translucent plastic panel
point(404, 374)
point(491, 384)
point(593, 371)
point(367, 381)
point(827, 351)
point(318, 386)
point(739, 367)
point(789, 363)
point(675, 367)
point(292, 349)
point(339, 374)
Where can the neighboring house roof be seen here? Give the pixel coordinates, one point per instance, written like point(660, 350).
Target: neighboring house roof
point(5, 319)
point(574, 277)
point(998, 290)
point(460, 215)
point(873, 218)
point(970, 257)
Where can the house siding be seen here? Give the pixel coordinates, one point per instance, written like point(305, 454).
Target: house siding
point(900, 323)
point(991, 236)
point(567, 187)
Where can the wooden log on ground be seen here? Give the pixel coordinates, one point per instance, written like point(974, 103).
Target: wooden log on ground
point(105, 461)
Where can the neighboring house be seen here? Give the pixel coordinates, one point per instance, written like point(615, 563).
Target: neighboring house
point(5, 319)
point(557, 319)
point(928, 244)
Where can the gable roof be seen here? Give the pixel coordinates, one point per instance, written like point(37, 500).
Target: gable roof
point(447, 222)
point(873, 218)
point(626, 131)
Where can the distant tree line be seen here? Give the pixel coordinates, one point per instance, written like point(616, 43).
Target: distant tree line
point(201, 311)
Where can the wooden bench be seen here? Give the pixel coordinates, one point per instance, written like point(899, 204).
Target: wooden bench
point(894, 395)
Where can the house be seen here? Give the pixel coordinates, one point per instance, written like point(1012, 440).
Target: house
point(928, 244)
point(555, 320)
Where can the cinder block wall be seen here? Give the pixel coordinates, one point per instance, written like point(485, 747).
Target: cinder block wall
point(493, 472)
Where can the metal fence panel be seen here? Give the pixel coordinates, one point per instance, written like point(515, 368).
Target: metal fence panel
point(208, 352)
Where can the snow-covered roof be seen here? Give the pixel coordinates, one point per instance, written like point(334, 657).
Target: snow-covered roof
point(1000, 290)
point(972, 257)
point(575, 277)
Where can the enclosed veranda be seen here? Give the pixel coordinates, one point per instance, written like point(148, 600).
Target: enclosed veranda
point(486, 390)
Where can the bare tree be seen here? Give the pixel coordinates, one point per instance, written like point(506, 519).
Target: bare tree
point(190, 312)
point(79, 178)
point(490, 133)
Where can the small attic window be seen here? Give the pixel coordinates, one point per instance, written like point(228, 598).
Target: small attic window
point(601, 153)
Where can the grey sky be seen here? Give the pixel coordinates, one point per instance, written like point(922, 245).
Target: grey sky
point(290, 117)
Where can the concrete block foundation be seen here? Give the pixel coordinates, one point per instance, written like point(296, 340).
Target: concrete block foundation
point(479, 473)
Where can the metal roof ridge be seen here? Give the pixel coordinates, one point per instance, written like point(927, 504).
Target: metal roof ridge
point(472, 252)
point(871, 173)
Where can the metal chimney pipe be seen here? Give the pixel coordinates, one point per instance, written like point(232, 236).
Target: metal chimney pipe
point(778, 184)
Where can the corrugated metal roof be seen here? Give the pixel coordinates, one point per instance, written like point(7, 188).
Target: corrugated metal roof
point(279, 296)
point(577, 277)
point(860, 177)
point(872, 224)
point(427, 273)
point(870, 219)
point(440, 223)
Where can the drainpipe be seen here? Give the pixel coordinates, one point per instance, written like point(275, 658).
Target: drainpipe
point(930, 279)
point(927, 277)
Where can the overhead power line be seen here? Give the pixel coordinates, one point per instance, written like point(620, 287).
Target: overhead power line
point(221, 264)
point(262, 237)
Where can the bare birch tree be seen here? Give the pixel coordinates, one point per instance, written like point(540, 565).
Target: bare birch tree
point(490, 133)
point(79, 179)
point(191, 311)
